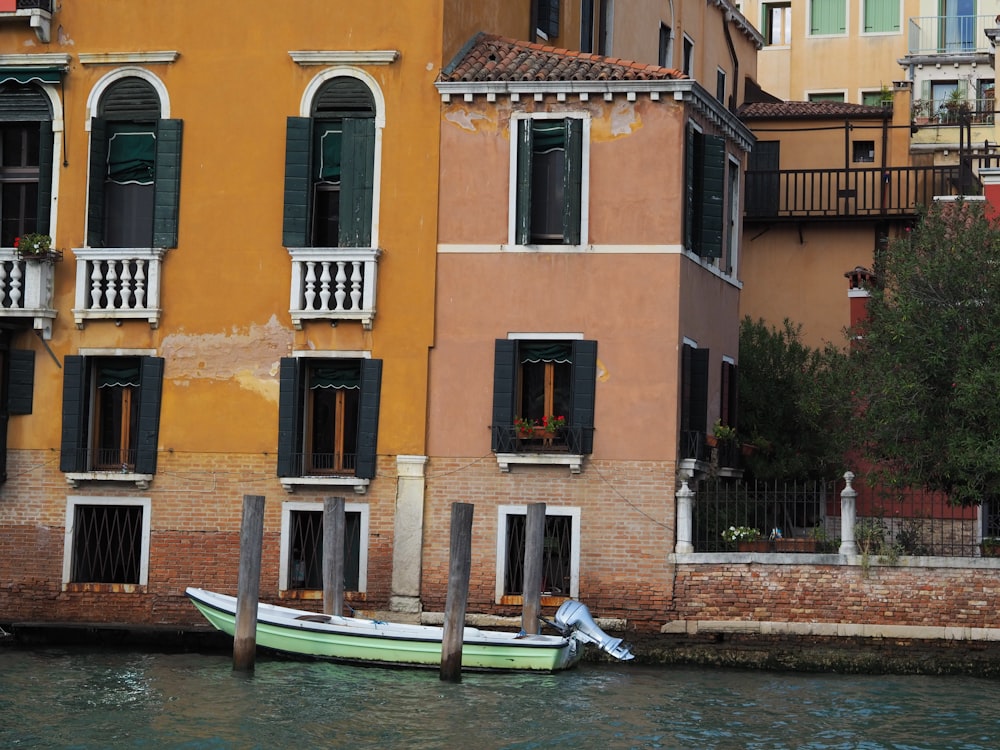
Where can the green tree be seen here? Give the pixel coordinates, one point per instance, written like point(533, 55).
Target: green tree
point(794, 401)
point(927, 359)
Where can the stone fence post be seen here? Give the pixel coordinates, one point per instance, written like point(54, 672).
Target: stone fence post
point(848, 514)
point(685, 508)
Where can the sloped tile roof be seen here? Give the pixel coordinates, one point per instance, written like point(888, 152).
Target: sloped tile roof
point(810, 110)
point(489, 58)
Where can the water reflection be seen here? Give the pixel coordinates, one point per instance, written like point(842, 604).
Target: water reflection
point(83, 698)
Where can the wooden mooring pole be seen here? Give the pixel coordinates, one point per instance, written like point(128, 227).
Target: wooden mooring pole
point(459, 568)
point(333, 556)
point(248, 583)
point(534, 548)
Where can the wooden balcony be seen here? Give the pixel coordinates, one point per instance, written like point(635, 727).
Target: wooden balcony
point(841, 194)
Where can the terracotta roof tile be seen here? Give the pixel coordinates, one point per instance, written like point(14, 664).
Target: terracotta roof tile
point(493, 58)
point(810, 110)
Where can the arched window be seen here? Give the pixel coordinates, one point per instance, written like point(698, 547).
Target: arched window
point(329, 169)
point(26, 147)
point(134, 169)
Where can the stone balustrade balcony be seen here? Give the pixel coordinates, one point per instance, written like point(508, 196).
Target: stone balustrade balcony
point(118, 284)
point(333, 284)
point(26, 290)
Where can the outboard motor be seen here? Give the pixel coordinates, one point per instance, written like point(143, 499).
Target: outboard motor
point(573, 618)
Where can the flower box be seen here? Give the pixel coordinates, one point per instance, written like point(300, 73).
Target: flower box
point(759, 545)
point(795, 545)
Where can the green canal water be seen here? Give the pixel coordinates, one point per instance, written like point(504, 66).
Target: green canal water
point(72, 697)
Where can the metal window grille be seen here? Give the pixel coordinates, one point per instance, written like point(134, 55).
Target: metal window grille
point(107, 544)
point(306, 549)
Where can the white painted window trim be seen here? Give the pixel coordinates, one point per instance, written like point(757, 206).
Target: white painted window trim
point(735, 190)
point(515, 121)
point(522, 510)
point(305, 110)
point(73, 500)
point(810, 92)
point(286, 522)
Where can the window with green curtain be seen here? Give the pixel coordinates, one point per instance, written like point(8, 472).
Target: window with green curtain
point(132, 155)
point(827, 17)
point(881, 16)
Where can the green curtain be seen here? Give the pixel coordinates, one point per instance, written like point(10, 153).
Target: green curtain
point(345, 375)
point(545, 351)
point(132, 157)
point(332, 140)
point(109, 376)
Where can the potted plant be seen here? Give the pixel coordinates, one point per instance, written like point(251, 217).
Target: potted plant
point(720, 434)
point(552, 423)
point(35, 246)
point(525, 428)
point(746, 539)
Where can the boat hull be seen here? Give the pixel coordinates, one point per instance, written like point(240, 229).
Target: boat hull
point(359, 640)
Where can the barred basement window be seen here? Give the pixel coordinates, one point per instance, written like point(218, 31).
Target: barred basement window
point(561, 553)
point(107, 541)
point(302, 546)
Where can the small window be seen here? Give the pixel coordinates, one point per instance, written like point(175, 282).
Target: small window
point(302, 547)
point(881, 16)
point(827, 17)
point(547, 19)
point(777, 23)
point(688, 61)
point(111, 414)
point(549, 181)
point(720, 85)
point(587, 26)
point(561, 555)
point(694, 401)
point(665, 52)
point(328, 417)
point(863, 151)
point(827, 96)
point(107, 541)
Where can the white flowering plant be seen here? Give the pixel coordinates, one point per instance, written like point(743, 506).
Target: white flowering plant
point(741, 534)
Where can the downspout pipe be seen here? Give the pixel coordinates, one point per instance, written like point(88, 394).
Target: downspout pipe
point(726, 18)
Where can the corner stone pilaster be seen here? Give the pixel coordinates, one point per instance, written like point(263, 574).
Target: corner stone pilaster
point(407, 550)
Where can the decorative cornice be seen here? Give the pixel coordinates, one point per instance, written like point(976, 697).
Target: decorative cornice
point(42, 60)
point(128, 58)
point(345, 57)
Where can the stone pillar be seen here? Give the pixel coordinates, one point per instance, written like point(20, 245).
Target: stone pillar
point(848, 514)
point(407, 546)
point(685, 509)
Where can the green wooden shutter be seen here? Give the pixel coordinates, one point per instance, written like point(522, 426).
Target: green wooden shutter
point(357, 182)
point(522, 219)
point(504, 393)
point(881, 15)
point(690, 219)
point(584, 379)
point(713, 183)
point(167, 196)
point(98, 171)
point(295, 228)
point(45, 156)
point(698, 414)
point(828, 17)
point(290, 405)
point(573, 181)
point(73, 447)
point(21, 381)
point(371, 393)
point(150, 395)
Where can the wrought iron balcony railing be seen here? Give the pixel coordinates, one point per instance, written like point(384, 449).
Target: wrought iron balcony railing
point(941, 35)
point(567, 439)
point(949, 111)
point(851, 193)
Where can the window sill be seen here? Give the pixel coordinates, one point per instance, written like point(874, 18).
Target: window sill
point(141, 481)
point(360, 485)
point(573, 460)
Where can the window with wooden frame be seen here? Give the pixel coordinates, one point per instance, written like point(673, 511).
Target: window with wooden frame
point(26, 153)
point(111, 414)
point(330, 167)
point(328, 417)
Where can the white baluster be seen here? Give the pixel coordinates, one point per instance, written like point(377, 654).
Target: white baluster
point(140, 284)
point(310, 293)
point(324, 287)
point(15, 284)
point(126, 285)
point(111, 286)
point(356, 286)
point(95, 285)
point(340, 294)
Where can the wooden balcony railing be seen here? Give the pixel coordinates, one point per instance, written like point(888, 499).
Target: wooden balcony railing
point(851, 193)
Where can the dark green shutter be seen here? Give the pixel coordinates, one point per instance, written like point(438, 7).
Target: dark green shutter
point(371, 393)
point(295, 229)
point(72, 452)
point(504, 390)
point(573, 181)
point(290, 406)
point(166, 206)
point(698, 414)
point(150, 396)
point(713, 181)
point(584, 379)
point(21, 381)
point(45, 156)
point(98, 170)
point(357, 186)
point(690, 219)
point(522, 221)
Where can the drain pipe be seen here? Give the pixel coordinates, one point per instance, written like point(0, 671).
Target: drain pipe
point(727, 16)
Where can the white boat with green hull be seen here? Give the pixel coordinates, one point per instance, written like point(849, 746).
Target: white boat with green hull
point(360, 640)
